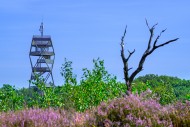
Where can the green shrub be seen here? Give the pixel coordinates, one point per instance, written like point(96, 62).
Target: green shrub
point(96, 86)
point(10, 98)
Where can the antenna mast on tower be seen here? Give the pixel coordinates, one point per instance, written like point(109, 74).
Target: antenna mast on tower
point(41, 29)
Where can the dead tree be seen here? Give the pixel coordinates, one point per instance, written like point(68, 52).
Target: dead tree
point(152, 46)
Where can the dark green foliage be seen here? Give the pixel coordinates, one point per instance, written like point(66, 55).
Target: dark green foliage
point(167, 88)
point(139, 87)
point(166, 93)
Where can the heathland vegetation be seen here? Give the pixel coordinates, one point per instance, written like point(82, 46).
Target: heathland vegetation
point(97, 100)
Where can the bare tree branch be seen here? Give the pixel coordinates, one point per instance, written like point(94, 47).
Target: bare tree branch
point(166, 43)
point(125, 68)
point(130, 54)
point(150, 49)
point(147, 24)
point(151, 35)
point(157, 38)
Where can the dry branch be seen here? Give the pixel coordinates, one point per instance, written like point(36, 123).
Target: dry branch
point(150, 49)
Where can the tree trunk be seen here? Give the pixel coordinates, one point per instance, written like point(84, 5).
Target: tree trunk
point(129, 88)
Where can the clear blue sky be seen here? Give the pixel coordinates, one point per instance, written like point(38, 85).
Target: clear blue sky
point(85, 29)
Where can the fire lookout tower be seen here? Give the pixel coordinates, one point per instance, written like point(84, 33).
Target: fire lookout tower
point(42, 58)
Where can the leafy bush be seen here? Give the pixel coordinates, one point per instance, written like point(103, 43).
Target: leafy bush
point(43, 97)
point(96, 86)
point(10, 98)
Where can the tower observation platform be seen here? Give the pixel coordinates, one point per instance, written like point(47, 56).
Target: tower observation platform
point(42, 58)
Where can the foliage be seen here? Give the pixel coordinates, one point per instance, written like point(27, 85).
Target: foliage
point(169, 89)
point(96, 86)
point(188, 97)
point(67, 73)
point(10, 98)
point(43, 97)
point(139, 87)
point(166, 93)
point(126, 111)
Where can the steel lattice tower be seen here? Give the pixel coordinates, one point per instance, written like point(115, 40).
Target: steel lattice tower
point(42, 58)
